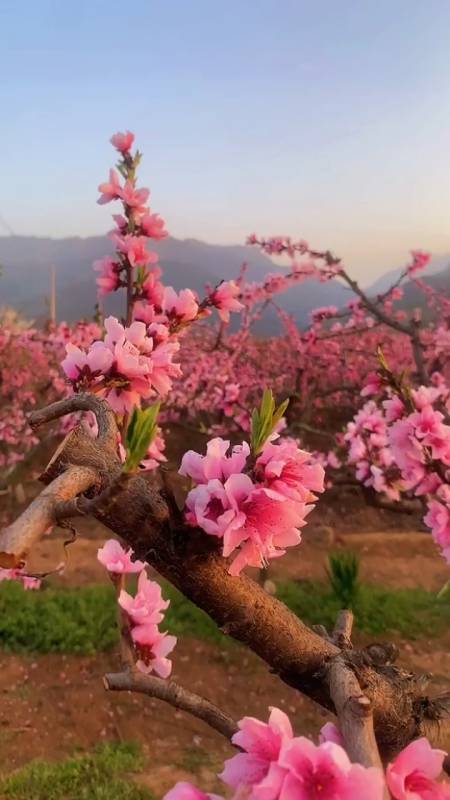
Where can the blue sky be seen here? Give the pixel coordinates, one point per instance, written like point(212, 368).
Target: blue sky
point(323, 119)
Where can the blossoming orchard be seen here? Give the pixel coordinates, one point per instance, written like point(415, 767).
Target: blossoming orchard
point(359, 397)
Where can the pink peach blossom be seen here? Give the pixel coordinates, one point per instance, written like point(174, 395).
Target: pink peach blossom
point(330, 733)
point(109, 279)
point(225, 299)
point(325, 772)
point(134, 198)
point(412, 775)
point(182, 305)
point(216, 463)
point(117, 560)
point(123, 142)
point(187, 791)
point(153, 226)
point(110, 190)
point(147, 606)
point(153, 647)
point(134, 248)
point(290, 471)
point(96, 361)
point(257, 766)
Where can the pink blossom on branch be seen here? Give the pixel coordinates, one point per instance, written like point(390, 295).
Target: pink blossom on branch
point(29, 582)
point(109, 279)
point(402, 445)
point(117, 560)
point(152, 648)
point(225, 298)
point(181, 306)
point(134, 198)
point(290, 471)
point(155, 453)
point(257, 515)
point(77, 363)
point(420, 260)
point(123, 142)
point(330, 733)
point(126, 367)
point(110, 190)
point(153, 226)
point(261, 744)
point(134, 248)
point(413, 774)
point(145, 611)
point(217, 463)
point(187, 791)
point(147, 606)
point(324, 771)
point(276, 765)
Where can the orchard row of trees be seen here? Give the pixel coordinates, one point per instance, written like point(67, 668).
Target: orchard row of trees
point(368, 381)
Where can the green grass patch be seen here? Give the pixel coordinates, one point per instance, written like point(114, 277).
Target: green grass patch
point(57, 620)
point(100, 775)
point(83, 620)
point(408, 612)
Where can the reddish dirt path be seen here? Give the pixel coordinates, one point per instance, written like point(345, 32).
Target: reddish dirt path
point(52, 705)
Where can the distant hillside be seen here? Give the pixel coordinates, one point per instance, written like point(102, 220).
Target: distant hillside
point(26, 263)
point(438, 264)
point(413, 297)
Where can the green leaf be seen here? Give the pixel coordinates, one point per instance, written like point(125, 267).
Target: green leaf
point(122, 169)
point(140, 434)
point(267, 404)
point(444, 593)
point(131, 428)
point(279, 413)
point(382, 359)
point(265, 420)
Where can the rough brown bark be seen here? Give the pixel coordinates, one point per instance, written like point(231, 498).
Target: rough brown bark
point(18, 539)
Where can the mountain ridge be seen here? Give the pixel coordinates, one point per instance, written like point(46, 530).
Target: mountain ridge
point(26, 263)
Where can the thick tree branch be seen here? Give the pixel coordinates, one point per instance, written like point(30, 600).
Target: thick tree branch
point(354, 713)
point(106, 421)
point(174, 694)
point(17, 539)
point(353, 708)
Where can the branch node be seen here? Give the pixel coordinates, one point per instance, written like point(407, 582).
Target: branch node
point(342, 632)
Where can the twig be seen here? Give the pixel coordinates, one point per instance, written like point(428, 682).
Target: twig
point(175, 695)
point(126, 643)
point(342, 633)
